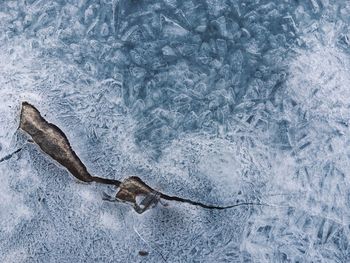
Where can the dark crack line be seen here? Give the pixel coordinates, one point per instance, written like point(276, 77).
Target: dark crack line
point(188, 201)
point(7, 157)
point(55, 143)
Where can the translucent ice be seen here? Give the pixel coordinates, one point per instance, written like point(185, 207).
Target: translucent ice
point(216, 101)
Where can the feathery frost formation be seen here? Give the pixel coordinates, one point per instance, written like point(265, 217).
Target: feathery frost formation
point(217, 101)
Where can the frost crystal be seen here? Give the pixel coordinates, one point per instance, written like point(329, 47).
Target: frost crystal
point(218, 101)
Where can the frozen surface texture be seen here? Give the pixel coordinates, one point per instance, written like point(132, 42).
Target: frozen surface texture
point(216, 101)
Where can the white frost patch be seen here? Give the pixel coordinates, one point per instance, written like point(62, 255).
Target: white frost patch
point(225, 165)
point(19, 76)
point(320, 80)
point(87, 194)
point(12, 205)
point(15, 256)
point(109, 221)
point(89, 198)
point(282, 174)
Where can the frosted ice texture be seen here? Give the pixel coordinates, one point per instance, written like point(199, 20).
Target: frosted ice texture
point(217, 101)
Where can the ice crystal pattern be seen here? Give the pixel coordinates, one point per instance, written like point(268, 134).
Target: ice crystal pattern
point(217, 101)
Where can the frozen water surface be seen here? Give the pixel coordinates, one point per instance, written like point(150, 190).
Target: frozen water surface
point(216, 101)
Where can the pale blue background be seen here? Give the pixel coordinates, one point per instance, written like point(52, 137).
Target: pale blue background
point(217, 101)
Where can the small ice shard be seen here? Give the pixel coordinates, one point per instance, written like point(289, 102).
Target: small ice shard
point(171, 28)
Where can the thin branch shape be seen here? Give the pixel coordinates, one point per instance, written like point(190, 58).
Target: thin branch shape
point(54, 143)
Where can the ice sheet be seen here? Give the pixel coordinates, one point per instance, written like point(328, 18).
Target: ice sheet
point(216, 101)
